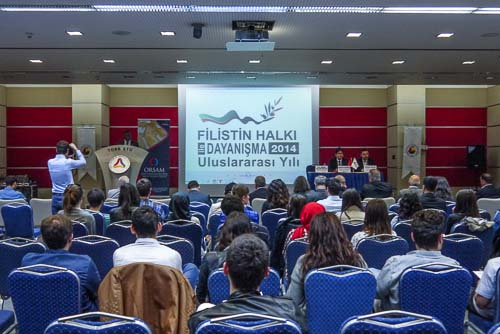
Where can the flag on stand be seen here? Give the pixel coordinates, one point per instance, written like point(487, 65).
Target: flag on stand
point(354, 164)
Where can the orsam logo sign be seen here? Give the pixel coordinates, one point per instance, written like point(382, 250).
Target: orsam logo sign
point(119, 164)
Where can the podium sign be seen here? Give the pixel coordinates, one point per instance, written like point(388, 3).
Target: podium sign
point(343, 169)
point(368, 168)
point(119, 160)
point(321, 169)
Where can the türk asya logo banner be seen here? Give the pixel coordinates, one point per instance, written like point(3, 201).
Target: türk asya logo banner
point(237, 133)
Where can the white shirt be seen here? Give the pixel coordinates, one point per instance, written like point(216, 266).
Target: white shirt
point(60, 170)
point(147, 250)
point(332, 203)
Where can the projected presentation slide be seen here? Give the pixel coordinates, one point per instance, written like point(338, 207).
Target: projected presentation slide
point(237, 133)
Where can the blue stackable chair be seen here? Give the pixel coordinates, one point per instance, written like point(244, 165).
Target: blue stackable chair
point(334, 294)
point(485, 214)
point(439, 290)
point(295, 249)
point(183, 246)
point(79, 229)
point(187, 230)
point(495, 329)
point(403, 230)
point(378, 248)
point(108, 206)
point(7, 321)
point(449, 207)
point(99, 248)
point(486, 237)
point(248, 323)
point(218, 286)
point(200, 207)
point(481, 323)
point(394, 208)
point(393, 322)
point(120, 231)
point(41, 294)
point(270, 219)
point(18, 220)
point(351, 227)
point(467, 249)
point(202, 219)
point(213, 228)
point(99, 223)
point(79, 324)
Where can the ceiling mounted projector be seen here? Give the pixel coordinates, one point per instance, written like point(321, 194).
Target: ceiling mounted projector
point(251, 36)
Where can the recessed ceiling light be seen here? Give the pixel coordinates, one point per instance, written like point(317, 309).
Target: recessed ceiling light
point(182, 61)
point(312, 77)
point(254, 61)
point(109, 61)
point(490, 78)
point(445, 35)
point(468, 62)
point(326, 62)
point(36, 61)
point(353, 34)
point(74, 33)
point(167, 33)
point(398, 62)
point(190, 77)
point(251, 77)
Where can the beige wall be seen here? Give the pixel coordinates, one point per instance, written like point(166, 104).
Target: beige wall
point(3, 130)
point(493, 139)
point(352, 97)
point(143, 97)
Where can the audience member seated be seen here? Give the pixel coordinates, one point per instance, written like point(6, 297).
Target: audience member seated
point(413, 186)
point(145, 226)
point(320, 192)
point(260, 188)
point(95, 198)
point(179, 209)
point(241, 191)
point(72, 203)
point(215, 208)
point(277, 196)
point(376, 188)
point(443, 189)
point(466, 206)
point(247, 263)
point(57, 234)
point(308, 212)
point(428, 198)
point(301, 186)
point(333, 203)
point(128, 201)
point(408, 205)
point(237, 224)
point(426, 228)
point(328, 246)
point(144, 187)
point(195, 195)
point(115, 192)
point(10, 192)
point(352, 209)
point(376, 221)
point(488, 189)
point(343, 183)
point(297, 203)
point(484, 302)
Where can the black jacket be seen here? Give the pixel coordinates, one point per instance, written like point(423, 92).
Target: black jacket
point(277, 259)
point(370, 161)
point(430, 201)
point(376, 189)
point(253, 302)
point(333, 165)
point(488, 191)
point(316, 195)
point(258, 193)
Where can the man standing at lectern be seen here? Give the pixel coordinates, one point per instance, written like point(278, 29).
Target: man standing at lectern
point(60, 169)
point(337, 161)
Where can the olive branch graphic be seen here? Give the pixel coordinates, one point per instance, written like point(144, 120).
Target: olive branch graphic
point(271, 109)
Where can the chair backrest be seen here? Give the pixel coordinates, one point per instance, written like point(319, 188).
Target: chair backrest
point(450, 206)
point(99, 248)
point(393, 322)
point(108, 206)
point(120, 231)
point(187, 230)
point(42, 208)
point(270, 220)
point(257, 204)
point(218, 286)
point(164, 208)
point(248, 323)
point(351, 227)
point(485, 214)
point(18, 220)
point(389, 201)
point(114, 324)
point(495, 329)
point(161, 200)
point(79, 229)
point(12, 252)
point(202, 219)
point(41, 294)
point(336, 293)
point(183, 246)
point(489, 204)
point(200, 207)
point(486, 237)
point(394, 208)
point(378, 248)
point(99, 223)
point(468, 250)
point(10, 201)
point(403, 230)
point(213, 228)
point(439, 290)
point(294, 250)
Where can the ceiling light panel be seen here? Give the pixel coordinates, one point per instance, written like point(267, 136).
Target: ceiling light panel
point(445, 35)
point(353, 35)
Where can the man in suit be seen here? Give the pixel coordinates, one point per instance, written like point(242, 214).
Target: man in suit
point(487, 190)
point(320, 190)
point(428, 198)
point(337, 161)
point(364, 160)
point(413, 186)
point(260, 189)
point(195, 195)
point(376, 188)
point(127, 139)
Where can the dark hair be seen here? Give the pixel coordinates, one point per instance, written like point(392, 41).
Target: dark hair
point(443, 190)
point(377, 218)
point(247, 260)
point(334, 187)
point(430, 183)
point(237, 223)
point(145, 222)
point(95, 197)
point(260, 181)
point(351, 197)
point(409, 204)
point(277, 194)
point(300, 185)
point(179, 207)
point(231, 203)
point(56, 231)
point(128, 198)
point(487, 177)
point(62, 147)
point(10, 180)
point(193, 184)
point(427, 226)
point(144, 187)
point(240, 191)
point(339, 149)
point(229, 188)
point(467, 203)
point(72, 196)
point(363, 149)
point(295, 206)
point(329, 245)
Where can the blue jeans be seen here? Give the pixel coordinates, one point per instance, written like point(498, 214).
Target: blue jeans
point(192, 273)
point(57, 201)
